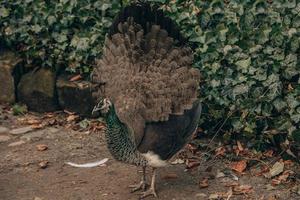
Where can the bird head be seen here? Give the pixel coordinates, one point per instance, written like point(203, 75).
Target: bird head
point(103, 106)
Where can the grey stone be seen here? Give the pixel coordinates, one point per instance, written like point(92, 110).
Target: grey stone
point(8, 62)
point(75, 96)
point(19, 131)
point(201, 196)
point(37, 90)
point(37, 135)
point(4, 138)
point(16, 143)
point(3, 130)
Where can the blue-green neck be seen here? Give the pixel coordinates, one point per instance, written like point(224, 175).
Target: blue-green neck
point(119, 142)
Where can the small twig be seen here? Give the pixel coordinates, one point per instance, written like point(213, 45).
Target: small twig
point(229, 115)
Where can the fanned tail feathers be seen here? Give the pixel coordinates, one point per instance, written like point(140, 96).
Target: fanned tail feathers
point(146, 72)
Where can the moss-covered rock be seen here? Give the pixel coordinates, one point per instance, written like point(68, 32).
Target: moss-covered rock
point(8, 62)
point(37, 90)
point(75, 96)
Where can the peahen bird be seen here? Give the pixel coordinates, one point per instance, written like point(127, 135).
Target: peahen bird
point(150, 90)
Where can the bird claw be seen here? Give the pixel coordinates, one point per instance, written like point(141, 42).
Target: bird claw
point(149, 192)
point(141, 186)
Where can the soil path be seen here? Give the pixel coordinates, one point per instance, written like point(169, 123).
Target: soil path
point(22, 178)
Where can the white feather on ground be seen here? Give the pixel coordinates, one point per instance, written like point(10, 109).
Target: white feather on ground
point(89, 165)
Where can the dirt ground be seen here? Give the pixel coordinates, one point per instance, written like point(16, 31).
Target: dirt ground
point(23, 178)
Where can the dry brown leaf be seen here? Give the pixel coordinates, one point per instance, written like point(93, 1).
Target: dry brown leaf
point(276, 169)
point(192, 164)
point(49, 115)
point(239, 166)
point(76, 78)
point(275, 182)
point(33, 121)
point(43, 164)
point(242, 189)
point(52, 121)
point(269, 153)
point(282, 178)
point(290, 87)
point(37, 126)
point(41, 147)
point(69, 112)
point(240, 146)
point(193, 148)
point(170, 176)
point(220, 151)
point(232, 184)
point(71, 118)
point(203, 183)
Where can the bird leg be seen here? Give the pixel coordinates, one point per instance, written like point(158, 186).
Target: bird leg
point(151, 190)
point(142, 185)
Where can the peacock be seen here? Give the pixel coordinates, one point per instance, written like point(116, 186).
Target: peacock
point(147, 90)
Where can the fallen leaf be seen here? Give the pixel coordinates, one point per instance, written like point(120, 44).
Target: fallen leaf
point(220, 174)
point(52, 121)
point(269, 153)
point(76, 78)
point(290, 87)
point(242, 189)
point(240, 147)
point(84, 123)
point(229, 194)
point(49, 115)
point(214, 196)
point(170, 176)
point(203, 183)
point(37, 126)
point(69, 112)
point(193, 148)
point(220, 151)
point(177, 161)
point(263, 169)
point(232, 184)
point(275, 182)
point(41, 147)
point(43, 164)
point(71, 118)
point(239, 166)
point(269, 187)
point(33, 121)
point(192, 164)
point(282, 178)
point(276, 169)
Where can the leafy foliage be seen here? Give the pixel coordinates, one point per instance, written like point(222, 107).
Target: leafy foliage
point(248, 53)
point(58, 33)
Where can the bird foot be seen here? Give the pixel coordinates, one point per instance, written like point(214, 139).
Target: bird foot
point(141, 186)
point(149, 192)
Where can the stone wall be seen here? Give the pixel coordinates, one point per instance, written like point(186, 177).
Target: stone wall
point(41, 89)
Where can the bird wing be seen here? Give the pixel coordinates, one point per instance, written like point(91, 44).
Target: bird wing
point(168, 137)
